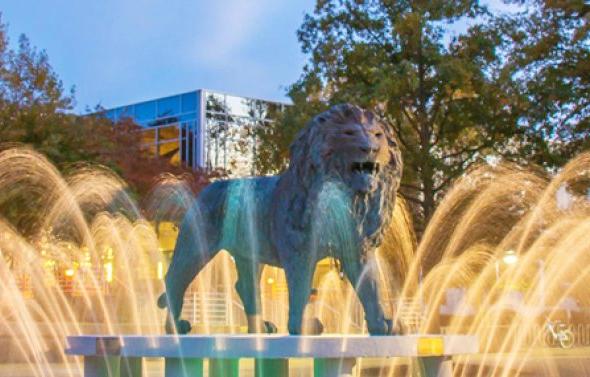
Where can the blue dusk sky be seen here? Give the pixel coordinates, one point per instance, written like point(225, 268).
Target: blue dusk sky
point(120, 51)
point(117, 52)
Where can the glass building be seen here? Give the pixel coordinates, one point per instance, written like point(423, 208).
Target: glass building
point(202, 128)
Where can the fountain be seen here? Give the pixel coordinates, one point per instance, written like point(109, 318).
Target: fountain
point(498, 261)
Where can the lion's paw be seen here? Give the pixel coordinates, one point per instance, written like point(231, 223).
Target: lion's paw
point(397, 328)
point(382, 327)
point(316, 326)
point(270, 328)
point(182, 327)
point(162, 301)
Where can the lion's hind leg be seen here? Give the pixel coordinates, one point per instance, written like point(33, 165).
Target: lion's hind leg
point(179, 276)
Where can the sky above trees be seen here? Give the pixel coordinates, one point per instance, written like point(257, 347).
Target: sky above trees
point(118, 52)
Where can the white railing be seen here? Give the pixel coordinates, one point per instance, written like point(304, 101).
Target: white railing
point(213, 308)
point(333, 356)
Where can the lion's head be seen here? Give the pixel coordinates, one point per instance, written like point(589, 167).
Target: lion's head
point(345, 144)
point(350, 144)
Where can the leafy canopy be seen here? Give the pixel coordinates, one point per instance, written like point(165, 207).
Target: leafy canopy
point(36, 112)
point(445, 97)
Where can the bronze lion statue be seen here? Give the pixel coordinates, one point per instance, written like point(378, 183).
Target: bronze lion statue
point(335, 200)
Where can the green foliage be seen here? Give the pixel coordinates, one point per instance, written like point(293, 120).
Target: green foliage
point(272, 151)
point(35, 112)
point(550, 59)
point(445, 98)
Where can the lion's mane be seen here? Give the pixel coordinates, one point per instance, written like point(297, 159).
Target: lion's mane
point(309, 169)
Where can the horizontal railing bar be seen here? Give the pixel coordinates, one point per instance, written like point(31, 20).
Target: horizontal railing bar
point(272, 346)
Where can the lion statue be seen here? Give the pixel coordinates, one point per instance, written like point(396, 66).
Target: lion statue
point(334, 200)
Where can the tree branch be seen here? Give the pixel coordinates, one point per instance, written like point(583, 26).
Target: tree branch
point(412, 121)
point(470, 151)
point(412, 199)
point(410, 186)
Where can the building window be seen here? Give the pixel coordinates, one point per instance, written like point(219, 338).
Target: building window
point(189, 102)
point(228, 134)
point(168, 106)
point(145, 111)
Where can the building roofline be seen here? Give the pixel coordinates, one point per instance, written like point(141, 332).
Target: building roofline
point(193, 91)
point(248, 97)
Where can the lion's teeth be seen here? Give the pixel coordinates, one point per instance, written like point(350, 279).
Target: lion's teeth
point(365, 167)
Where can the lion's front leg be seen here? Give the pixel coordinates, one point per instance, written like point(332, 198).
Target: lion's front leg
point(299, 273)
point(363, 278)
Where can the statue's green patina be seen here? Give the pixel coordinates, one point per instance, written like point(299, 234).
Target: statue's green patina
point(335, 200)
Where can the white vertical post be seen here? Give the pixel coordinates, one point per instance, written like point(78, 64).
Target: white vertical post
point(201, 128)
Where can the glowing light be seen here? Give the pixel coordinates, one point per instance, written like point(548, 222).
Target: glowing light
point(270, 281)
point(108, 268)
point(430, 346)
point(69, 272)
point(510, 257)
point(160, 270)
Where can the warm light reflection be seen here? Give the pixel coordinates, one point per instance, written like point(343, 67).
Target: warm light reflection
point(497, 260)
point(108, 268)
point(160, 270)
point(510, 257)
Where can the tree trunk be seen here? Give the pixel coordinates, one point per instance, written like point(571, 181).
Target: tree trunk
point(428, 191)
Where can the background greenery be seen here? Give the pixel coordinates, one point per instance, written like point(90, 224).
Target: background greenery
point(36, 112)
point(512, 86)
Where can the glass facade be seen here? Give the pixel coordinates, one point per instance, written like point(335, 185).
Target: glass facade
point(202, 129)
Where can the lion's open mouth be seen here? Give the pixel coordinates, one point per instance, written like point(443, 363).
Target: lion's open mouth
point(365, 167)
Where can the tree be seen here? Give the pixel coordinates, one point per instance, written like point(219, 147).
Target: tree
point(36, 112)
point(275, 137)
point(119, 146)
point(550, 60)
point(446, 98)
